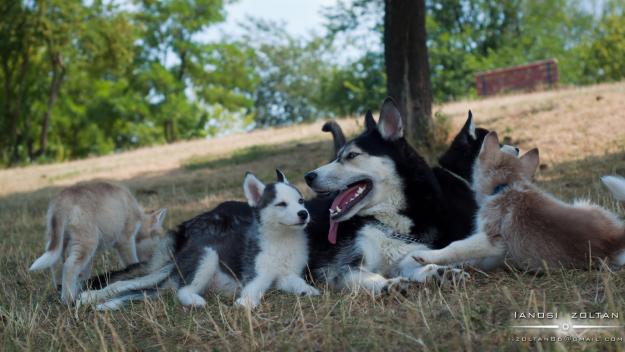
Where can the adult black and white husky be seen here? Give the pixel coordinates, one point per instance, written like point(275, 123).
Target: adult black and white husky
point(270, 250)
point(389, 202)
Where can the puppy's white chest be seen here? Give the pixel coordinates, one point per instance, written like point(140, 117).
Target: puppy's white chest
point(282, 256)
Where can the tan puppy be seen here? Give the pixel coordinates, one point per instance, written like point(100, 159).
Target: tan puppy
point(527, 226)
point(92, 215)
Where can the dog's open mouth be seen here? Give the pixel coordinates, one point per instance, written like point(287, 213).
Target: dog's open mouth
point(344, 202)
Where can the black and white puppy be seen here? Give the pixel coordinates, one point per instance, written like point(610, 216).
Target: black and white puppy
point(270, 250)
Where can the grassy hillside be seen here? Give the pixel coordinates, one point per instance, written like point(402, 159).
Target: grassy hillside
point(580, 133)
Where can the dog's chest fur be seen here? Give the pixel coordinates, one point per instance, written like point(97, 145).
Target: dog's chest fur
point(381, 253)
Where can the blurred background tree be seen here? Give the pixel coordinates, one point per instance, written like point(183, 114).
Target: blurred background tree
point(82, 78)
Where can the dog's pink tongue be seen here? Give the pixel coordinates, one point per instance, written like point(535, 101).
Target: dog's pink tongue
point(334, 227)
point(340, 202)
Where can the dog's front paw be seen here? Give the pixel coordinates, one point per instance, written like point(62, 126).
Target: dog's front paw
point(448, 274)
point(439, 273)
point(397, 284)
point(310, 291)
point(422, 257)
point(246, 302)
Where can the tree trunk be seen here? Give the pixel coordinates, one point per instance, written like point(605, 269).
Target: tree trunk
point(407, 67)
point(58, 73)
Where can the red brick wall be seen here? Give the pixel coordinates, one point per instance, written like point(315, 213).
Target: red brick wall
point(524, 77)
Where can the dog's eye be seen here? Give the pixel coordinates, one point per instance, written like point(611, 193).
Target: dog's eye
point(300, 201)
point(281, 204)
point(351, 155)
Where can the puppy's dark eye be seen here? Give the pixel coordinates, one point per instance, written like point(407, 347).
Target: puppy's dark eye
point(351, 155)
point(281, 204)
point(300, 201)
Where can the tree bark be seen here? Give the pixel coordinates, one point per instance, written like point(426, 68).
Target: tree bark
point(407, 67)
point(58, 73)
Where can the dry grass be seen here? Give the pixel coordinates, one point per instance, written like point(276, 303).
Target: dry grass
point(580, 139)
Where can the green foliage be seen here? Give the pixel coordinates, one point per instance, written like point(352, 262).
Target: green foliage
point(288, 71)
point(355, 87)
point(84, 78)
point(602, 58)
point(468, 36)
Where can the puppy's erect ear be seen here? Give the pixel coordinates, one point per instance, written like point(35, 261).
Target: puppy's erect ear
point(281, 177)
point(253, 189)
point(390, 125)
point(159, 218)
point(469, 127)
point(529, 163)
point(490, 146)
point(370, 124)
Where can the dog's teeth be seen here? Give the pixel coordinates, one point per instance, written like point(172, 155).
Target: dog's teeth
point(338, 209)
point(360, 190)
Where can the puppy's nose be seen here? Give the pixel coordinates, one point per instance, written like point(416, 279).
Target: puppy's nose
point(303, 214)
point(310, 177)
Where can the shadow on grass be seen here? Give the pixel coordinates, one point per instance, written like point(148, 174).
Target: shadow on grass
point(238, 157)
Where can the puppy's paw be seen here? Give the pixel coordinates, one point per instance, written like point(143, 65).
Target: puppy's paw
point(449, 274)
point(190, 299)
point(310, 291)
point(421, 257)
point(109, 305)
point(435, 272)
point(246, 302)
point(397, 284)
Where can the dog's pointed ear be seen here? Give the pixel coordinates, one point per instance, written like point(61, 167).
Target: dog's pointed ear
point(370, 124)
point(253, 189)
point(490, 146)
point(159, 218)
point(469, 127)
point(529, 163)
point(390, 124)
point(281, 176)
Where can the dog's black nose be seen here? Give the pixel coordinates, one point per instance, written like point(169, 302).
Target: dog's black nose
point(303, 214)
point(516, 149)
point(310, 177)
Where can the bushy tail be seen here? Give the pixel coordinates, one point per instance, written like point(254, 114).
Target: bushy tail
point(337, 134)
point(54, 247)
point(616, 185)
point(129, 296)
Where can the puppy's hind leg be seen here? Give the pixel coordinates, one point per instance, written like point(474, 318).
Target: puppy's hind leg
point(80, 255)
point(189, 295)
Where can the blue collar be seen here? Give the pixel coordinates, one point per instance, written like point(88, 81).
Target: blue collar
point(499, 189)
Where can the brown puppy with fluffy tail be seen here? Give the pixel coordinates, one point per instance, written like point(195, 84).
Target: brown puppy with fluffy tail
point(92, 215)
point(528, 227)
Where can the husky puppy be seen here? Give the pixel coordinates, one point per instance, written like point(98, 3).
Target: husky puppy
point(92, 215)
point(271, 250)
point(529, 227)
